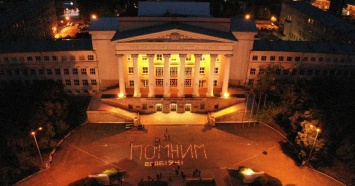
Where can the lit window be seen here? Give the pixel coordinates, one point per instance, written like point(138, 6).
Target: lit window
point(91, 57)
point(75, 71)
point(187, 83)
point(92, 71)
point(188, 57)
point(144, 57)
point(145, 70)
point(188, 71)
point(159, 71)
point(202, 70)
point(173, 71)
point(252, 71)
point(83, 71)
point(130, 70)
point(159, 82)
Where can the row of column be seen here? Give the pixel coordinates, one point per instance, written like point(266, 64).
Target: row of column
point(181, 79)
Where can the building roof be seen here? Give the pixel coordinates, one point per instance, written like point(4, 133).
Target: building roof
point(46, 46)
point(304, 46)
point(243, 25)
point(158, 9)
point(104, 24)
point(325, 18)
point(171, 26)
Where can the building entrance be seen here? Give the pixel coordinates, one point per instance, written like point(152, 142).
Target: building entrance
point(188, 107)
point(159, 107)
point(173, 107)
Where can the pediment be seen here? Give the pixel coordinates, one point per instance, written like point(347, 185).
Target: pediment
point(176, 35)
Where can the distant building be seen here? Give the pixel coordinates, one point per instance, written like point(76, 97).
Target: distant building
point(30, 20)
point(300, 21)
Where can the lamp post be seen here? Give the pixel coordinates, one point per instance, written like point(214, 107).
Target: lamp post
point(33, 133)
point(315, 139)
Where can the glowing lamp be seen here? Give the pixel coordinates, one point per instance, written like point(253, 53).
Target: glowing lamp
point(247, 16)
point(226, 95)
point(120, 95)
point(93, 17)
point(248, 171)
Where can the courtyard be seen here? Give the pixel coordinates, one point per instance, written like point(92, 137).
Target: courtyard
point(93, 148)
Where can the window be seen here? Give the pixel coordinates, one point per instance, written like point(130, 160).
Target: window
point(93, 82)
point(272, 58)
point(214, 83)
point(159, 82)
point(77, 91)
point(145, 70)
point(54, 58)
point(173, 82)
point(173, 71)
point(255, 58)
point(25, 72)
point(49, 72)
point(46, 58)
point(216, 70)
point(313, 59)
point(188, 57)
point(289, 58)
point(75, 71)
point(144, 57)
point(85, 82)
point(328, 59)
point(159, 71)
point(251, 82)
point(202, 70)
point(13, 59)
point(145, 83)
point(33, 71)
point(305, 59)
point(29, 58)
point(297, 59)
point(83, 71)
point(187, 83)
point(281, 58)
point(57, 71)
point(90, 57)
point(129, 58)
point(286, 71)
point(81, 58)
point(67, 82)
point(38, 58)
point(263, 58)
point(261, 71)
point(252, 71)
point(92, 71)
point(200, 83)
point(188, 71)
point(320, 59)
point(40, 71)
point(22, 59)
point(76, 82)
point(64, 58)
point(130, 70)
point(66, 71)
point(159, 57)
point(72, 58)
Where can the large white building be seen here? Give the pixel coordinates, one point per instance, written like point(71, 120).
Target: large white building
point(172, 63)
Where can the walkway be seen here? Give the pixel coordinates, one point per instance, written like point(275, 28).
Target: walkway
point(174, 118)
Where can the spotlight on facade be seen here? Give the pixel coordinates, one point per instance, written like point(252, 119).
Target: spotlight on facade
point(120, 95)
point(93, 17)
point(226, 95)
point(273, 18)
point(247, 16)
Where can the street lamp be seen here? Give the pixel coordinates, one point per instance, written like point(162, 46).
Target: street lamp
point(315, 139)
point(33, 133)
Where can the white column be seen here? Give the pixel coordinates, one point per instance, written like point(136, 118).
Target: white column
point(151, 82)
point(121, 75)
point(137, 92)
point(182, 75)
point(166, 75)
point(209, 92)
point(195, 92)
point(226, 74)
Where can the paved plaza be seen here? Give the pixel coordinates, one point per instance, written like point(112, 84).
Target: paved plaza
point(95, 147)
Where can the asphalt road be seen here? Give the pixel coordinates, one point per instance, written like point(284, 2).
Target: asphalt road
point(96, 147)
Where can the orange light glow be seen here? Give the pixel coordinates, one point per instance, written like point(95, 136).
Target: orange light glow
point(226, 95)
point(93, 16)
point(120, 95)
point(33, 133)
point(247, 16)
